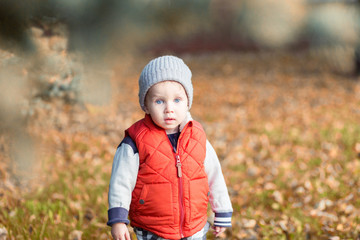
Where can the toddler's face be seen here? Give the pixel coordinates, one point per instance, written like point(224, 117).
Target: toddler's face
point(167, 104)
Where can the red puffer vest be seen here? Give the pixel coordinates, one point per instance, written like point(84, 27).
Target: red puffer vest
point(171, 193)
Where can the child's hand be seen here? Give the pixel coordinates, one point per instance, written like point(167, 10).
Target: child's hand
point(218, 230)
point(119, 231)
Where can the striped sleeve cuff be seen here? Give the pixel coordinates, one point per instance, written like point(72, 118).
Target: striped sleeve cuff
point(117, 215)
point(223, 219)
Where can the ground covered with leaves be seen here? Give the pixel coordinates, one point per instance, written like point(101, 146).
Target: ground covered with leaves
point(285, 127)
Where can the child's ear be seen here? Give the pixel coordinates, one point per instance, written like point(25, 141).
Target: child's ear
point(146, 110)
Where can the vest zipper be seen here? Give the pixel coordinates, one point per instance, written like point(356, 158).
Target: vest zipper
point(181, 191)
point(178, 166)
point(181, 205)
point(179, 175)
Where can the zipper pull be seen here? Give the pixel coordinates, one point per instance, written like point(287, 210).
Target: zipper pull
point(178, 165)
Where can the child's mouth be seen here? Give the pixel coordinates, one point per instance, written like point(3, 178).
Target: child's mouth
point(169, 120)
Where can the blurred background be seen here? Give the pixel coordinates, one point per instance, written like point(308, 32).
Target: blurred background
point(58, 57)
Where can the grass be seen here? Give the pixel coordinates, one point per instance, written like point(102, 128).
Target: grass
point(73, 202)
point(321, 163)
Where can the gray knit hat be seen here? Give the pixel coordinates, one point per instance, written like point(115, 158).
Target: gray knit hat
point(161, 69)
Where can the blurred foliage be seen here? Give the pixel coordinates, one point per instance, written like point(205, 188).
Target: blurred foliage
point(104, 25)
point(332, 24)
point(91, 25)
point(273, 24)
point(99, 28)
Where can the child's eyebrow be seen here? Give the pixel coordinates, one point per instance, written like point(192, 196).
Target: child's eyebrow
point(156, 96)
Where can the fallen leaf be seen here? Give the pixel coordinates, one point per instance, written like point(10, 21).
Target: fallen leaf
point(3, 233)
point(278, 197)
point(75, 235)
point(251, 223)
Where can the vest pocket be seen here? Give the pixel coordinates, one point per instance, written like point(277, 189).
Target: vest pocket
point(199, 197)
point(154, 206)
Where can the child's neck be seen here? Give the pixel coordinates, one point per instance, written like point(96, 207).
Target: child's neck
point(174, 131)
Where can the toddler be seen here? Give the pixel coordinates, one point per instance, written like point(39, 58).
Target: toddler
point(165, 171)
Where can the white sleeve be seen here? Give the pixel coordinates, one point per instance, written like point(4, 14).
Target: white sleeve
point(123, 176)
point(219, 196)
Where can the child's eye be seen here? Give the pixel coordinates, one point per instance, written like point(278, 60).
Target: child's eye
point(177, 100)
point(159, 101)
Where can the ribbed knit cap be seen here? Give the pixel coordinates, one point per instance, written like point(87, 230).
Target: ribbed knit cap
point(165, 68)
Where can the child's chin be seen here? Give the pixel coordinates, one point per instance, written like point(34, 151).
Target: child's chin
point(170, 130)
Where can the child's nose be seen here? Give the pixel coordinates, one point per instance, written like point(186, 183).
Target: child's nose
point(169, 108)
